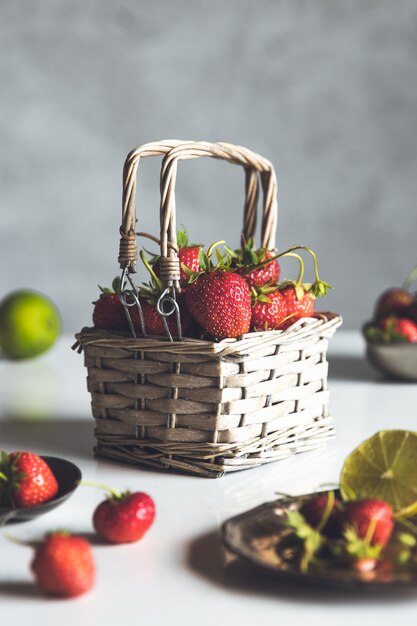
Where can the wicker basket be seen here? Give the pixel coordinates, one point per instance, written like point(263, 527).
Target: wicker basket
point(203, 407)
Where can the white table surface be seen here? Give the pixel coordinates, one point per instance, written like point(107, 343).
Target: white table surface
point(176, 574)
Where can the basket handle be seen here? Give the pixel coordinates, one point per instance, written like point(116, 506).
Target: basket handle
point(252, 162)
point(128, 246)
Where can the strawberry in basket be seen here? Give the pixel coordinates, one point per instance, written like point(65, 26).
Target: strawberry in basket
point(218, 299)
point(169, 427)
point(258, 267)
point(279, 306)
point(109, 312)
point(188, 255)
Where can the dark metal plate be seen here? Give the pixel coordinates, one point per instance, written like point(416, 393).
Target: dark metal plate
point(258, 536)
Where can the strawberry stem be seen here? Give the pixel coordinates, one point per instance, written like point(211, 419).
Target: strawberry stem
point(410, 279)
point(113, 492)
point(20, 542)
point(319, 288)
point(370, 531)
point(155, 278)
point(301, 262)
point(327, 511)
point(407, 523)
point(4, 477)
point(214, 245)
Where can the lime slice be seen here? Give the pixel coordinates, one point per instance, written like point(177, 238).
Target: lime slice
point(384, 467)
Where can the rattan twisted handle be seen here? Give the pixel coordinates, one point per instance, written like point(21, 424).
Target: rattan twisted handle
point(169, 264)
point(128, 246)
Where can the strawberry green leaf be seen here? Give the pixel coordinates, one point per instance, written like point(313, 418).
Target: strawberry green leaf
point(182, 238)
point(320, 288)
point(232, 253)
point(117, 284)
point(105, 289)
point(203, 260)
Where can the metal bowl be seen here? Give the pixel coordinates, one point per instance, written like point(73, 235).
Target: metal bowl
point(396, 360)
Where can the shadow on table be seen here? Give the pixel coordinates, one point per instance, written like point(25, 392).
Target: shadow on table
point(21, 590)
point(206, 558)
point(352, 368)
point(60, 437)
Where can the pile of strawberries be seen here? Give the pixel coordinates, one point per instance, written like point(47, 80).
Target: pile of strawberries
point(63, 564)
point(395, 314)
point(239, 293)
point(362, 534)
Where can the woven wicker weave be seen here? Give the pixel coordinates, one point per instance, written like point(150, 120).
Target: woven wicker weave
point(198, 406)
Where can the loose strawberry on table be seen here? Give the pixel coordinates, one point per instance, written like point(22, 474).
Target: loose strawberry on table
point(124, 517)
point(63, 565)
point(27, 479)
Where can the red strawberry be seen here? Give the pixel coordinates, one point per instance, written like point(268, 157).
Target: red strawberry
point(315, 512)
point(188, 257)
point(268, 273)
point(297, 307)
point(251, 264)
point(399, 328)
point(220, 302)
point(63, 565)
point(394, 301)
point(29, 479)
point(109, 313)
point(268, 311)
point(153, 321)
point(371, 519)
point(125, 517)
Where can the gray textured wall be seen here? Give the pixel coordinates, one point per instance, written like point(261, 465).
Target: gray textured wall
point(327, 90)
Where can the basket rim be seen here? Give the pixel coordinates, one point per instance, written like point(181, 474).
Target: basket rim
point(121, 339)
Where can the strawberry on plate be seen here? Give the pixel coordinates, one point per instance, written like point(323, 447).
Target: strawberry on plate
point(27, 479)
point(371, 519)
point(63, 565)
point(124, 517)
point(367, 526)
point(323, 511)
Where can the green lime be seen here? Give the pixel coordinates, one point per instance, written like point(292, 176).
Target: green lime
point(384, 467)
point(29, 324)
